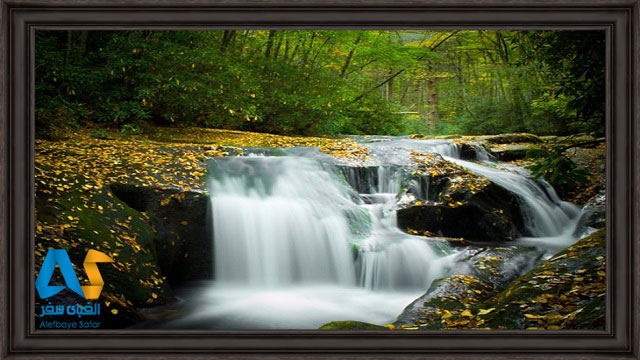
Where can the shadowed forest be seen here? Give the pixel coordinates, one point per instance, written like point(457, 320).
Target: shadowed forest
point(325, 82)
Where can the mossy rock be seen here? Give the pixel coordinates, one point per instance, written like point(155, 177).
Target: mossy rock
point(182, 241)
point(444, 296)
point(565, 292)
point(78, 222)
point(350, 325)
point(511, 153)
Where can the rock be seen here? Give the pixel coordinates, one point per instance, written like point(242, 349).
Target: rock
point(594, 215)
point(512, 138)
point(350, 325)
point(471, 151)
point(448, 294)
point(497, 266)
point(566, 292)
point(479, 274)
point(366, 179)
point(490, 215)
point(182, 241)
point(510, 153)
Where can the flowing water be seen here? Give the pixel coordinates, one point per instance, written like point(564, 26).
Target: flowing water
point(300, 240)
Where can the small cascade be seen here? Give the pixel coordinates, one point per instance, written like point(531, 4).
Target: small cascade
point(544, 213)
point(279, 221)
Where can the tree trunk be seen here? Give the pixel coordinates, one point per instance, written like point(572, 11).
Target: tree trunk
point(390, 86)
point(267, 51)
point(433, 115)
point(227, 39)
point(343, 71)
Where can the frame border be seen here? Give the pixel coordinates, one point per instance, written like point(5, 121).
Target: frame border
point(619, 18)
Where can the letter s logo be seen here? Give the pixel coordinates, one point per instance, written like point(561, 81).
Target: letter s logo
point(61, 258)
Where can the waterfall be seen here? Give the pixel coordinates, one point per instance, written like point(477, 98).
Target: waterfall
point(545, 215)
point(300, 240)
point(285, 220)
point(278, 221)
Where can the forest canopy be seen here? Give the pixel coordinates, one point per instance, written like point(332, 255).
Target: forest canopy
point(328, 82)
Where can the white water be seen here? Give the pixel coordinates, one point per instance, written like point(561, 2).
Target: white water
point(278, 221)
point(284, 240)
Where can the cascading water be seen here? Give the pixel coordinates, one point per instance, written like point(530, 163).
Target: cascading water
point(300, 240)
point(279, 220)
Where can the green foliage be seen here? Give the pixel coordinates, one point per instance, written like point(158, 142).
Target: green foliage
point(323, 82)
point(551, 163)
point(100, 134)
point(130, 129)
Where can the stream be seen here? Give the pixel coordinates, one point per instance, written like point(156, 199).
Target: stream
point(301, 238)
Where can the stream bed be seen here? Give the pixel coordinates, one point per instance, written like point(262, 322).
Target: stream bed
point(301, 239)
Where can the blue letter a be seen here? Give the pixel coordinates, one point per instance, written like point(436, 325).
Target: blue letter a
point(60, 257)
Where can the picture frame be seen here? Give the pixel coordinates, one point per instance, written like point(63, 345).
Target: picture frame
point(619, 18)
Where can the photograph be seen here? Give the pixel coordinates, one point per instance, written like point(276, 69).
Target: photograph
point(360, 180)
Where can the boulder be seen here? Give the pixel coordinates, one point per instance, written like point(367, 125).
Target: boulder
point(490, 215)
point(510, 153)
point(565, 292)
point(182, 242)
point(471, 151)
point(443, 296)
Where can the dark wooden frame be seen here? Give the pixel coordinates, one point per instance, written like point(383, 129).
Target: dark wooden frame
point(619, 18)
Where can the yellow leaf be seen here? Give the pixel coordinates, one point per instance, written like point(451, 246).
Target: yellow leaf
point(485, 311)
point(154, 295)
point(70, 217)
point(447, 314)
point(389, 326)
point(184, 222)
point(531, 316)
point(114, 311)
point(418, 203)
point(466, 313)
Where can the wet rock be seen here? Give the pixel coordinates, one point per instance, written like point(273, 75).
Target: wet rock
point(565, 292)
point(480, 273)
point(593, 215)
point(179, 218)
point(497, 266)
point(510, 153)
point(444, 295)
point(490, 215)
point(350, 325)
point(471, 151)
